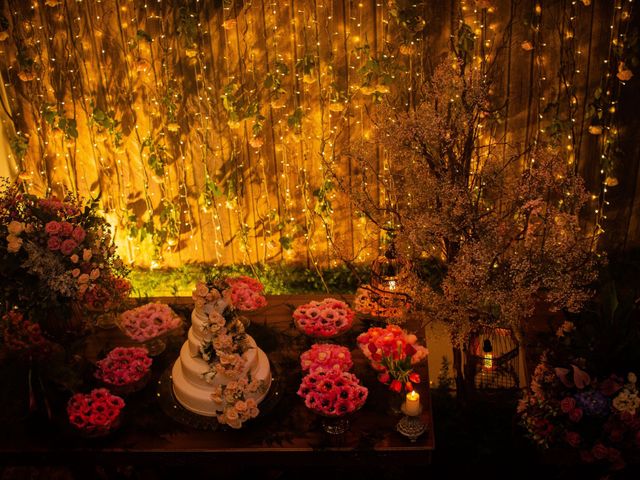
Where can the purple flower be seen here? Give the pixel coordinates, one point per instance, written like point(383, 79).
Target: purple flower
point(593, 402)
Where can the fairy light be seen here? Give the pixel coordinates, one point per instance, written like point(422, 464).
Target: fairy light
point(299, 170)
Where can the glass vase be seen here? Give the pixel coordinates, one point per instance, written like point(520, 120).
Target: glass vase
point(335, 425)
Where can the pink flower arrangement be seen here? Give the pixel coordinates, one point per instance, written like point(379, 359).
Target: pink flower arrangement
point(327, 357)
point(332, 393)
point(149, 321)
point(393, 352)
point(56, 253)
point(324, 319)
point(95, 413)
point(246, 293)
point(124, 366)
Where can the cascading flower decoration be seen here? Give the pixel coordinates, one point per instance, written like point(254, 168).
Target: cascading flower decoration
point(226, 344)
point(393, 352)
point(56, 255)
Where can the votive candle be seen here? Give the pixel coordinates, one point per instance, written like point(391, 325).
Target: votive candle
point(412, 404)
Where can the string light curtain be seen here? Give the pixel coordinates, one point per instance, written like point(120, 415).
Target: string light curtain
point(207, 128)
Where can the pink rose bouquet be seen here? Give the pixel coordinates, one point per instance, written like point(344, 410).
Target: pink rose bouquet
point(393, 352)
point(124, 366)
point(56, 254)
point(149, 321)
point(327, 357)
point(246, 293)
point(332, 393)
point(324, 319)
point(95, 413)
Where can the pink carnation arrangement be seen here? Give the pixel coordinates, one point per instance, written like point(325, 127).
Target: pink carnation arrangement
point(326, 356)
point(124, 366)
point(332, 393)
point(393, 352)
point(324, 319)
point(95, 413)
point(149, 321)
point(246, 293)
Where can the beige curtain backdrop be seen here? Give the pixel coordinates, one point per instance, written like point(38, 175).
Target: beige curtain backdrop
point(8, 165)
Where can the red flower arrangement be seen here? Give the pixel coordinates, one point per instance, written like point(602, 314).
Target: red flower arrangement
point(149, 321)
point(23, 337)
point(332, 393)
point(95, 413)
point(393, 352)
point(124, 366)
point(327, 357)
point(324, 319)
point(246, 293)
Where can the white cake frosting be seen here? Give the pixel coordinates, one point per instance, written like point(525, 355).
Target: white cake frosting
point(195, 377)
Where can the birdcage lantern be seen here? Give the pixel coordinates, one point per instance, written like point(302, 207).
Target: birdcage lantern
point(387, 295)
point(492, 359)
point(389, 271)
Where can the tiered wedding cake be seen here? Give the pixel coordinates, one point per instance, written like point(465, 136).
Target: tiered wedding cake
point(221, 371)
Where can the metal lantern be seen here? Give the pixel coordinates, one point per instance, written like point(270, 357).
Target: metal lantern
point(389, 271)
point(492, 359)
point(386, 296)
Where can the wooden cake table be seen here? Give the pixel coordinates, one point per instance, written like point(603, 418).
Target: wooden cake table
point(288, 435)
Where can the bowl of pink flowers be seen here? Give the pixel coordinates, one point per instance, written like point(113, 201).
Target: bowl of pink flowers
point(333, 394)
point(125, 369)
point(326, 319)
point(326, 356)
point(95, 414)
point(148, 324)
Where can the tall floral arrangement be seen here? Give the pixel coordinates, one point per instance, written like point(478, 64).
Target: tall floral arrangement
point(502, 226)
point(56, 256)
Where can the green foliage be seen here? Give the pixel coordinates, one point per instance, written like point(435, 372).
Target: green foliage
point(295, 120)
point(445, 380)
point(607, 333)
point(142, 35)
point(465, 44)
point(57, 120)
point(406, 13)
point(323, 203)
point(158, 155)
point(107, 121)
point(238, 104)
point(19, 145)
point(277, 279)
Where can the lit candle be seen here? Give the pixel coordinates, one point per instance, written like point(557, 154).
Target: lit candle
point(412, 404)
